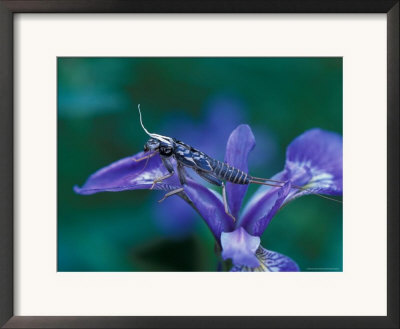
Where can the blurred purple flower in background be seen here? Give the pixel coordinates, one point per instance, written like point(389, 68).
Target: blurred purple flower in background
point(313, 161)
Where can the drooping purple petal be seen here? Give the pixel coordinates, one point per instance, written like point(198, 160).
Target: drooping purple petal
point(210, 207)
point(241, 247)
point(258, 215)
point(127, 174)
point(240, 143)
point(270, 261)
point(314, 160)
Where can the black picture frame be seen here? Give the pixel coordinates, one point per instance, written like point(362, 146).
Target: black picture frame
point(10, 7)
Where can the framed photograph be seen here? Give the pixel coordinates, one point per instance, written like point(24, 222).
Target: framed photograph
point(221, 123)
point(211, 164)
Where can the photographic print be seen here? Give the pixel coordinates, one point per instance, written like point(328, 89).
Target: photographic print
point(199, 164)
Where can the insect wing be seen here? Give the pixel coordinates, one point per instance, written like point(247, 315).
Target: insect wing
point(191, 157)
point(184, 156)
point(202, 161)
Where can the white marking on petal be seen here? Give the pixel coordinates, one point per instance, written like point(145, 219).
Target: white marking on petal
point(322, 176)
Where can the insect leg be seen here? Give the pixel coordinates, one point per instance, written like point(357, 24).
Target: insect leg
point(178, 190)
point(265, 181)
point(226, 203)
point(181, 173)
point(167, 164)
point(145, 157)
point(213, 180)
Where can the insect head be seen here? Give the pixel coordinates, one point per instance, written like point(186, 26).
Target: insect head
point(157, 143)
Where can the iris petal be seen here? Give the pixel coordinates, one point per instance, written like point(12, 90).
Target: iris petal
point(127, 174)
point(210, 207)
point(241, 247)
point(270, 261)
point(258, 215)
point(261, 191)
point(240, 143)
point(315, 160)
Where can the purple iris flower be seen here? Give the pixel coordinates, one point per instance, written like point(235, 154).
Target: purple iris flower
point(313, 165)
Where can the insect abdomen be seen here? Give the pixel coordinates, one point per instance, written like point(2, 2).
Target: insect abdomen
point(228, 173)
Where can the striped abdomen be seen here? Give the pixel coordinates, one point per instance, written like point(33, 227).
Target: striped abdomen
point(225, 172)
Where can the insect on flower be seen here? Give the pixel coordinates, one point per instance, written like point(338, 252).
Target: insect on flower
point(211, 170)
point(313, 160)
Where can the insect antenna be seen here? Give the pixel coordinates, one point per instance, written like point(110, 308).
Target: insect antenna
point(141, 122)
point(161, 138)
point(145, 157)
point(256, 180)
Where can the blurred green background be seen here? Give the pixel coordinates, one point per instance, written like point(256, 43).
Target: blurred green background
point(199, 101)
